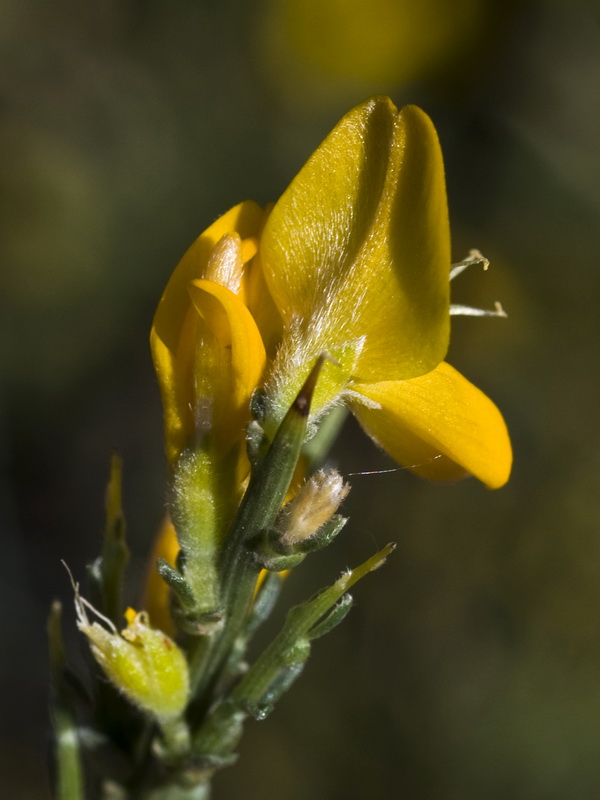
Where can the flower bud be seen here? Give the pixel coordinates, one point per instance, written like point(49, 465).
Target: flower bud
point(142, 662)
point(313, 506)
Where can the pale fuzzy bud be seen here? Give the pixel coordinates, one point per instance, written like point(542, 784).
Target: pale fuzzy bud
point(313, 506)
point(142, 662)
point(227, 260)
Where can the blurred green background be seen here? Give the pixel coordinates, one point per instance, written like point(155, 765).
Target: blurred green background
point(470, 666)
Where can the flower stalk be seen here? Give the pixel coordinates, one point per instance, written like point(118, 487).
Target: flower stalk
point(239, 567)
point(69, 768)
point(273, 326)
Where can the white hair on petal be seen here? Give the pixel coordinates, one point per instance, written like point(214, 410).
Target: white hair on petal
point(350, 394)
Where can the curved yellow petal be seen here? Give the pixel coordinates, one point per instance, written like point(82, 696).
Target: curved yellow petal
point(358, 245)
point(438, 414)
point(227, 364)
point(174, 328)
point(246, 219)
point(239, 366)
point(257, 297)
point(156, 592)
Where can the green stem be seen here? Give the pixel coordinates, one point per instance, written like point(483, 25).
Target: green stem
point(205, 668)
point(69, 777)
point(176, 740)
point(107, 571)
point(286, 654)
point(269, 484)
point(69, 772)
point(299, 622)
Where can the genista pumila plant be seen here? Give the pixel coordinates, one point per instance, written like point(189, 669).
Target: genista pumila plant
point(274, 323)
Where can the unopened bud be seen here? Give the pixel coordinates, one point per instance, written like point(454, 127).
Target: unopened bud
point(313, 506)
point(142, 662)
point(227, 260)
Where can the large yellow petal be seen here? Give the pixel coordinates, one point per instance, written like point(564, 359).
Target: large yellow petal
point(440, 425)
point(358, 245)
point(174, 329)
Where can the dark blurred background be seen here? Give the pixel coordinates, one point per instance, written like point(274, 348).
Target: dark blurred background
point(470, 666)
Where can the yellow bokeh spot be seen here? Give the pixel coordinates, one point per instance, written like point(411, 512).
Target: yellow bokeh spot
point(360, 43)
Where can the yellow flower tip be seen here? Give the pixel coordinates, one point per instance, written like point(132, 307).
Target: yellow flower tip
point(142, 662)
point(173, 337)
point(130, 615)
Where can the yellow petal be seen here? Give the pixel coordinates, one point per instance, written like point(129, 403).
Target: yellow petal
point(173, 334)
point(245, 219)
point(236, 333)
point(438, 413)
point(228, 362)
point(257, 297)
point(358, 245)
point(156, 592)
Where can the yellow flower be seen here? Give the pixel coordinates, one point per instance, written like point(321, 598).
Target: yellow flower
point(207, 351)
point(209, 357)
point(354, 261)
point(356, 254)
point(142, 662)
